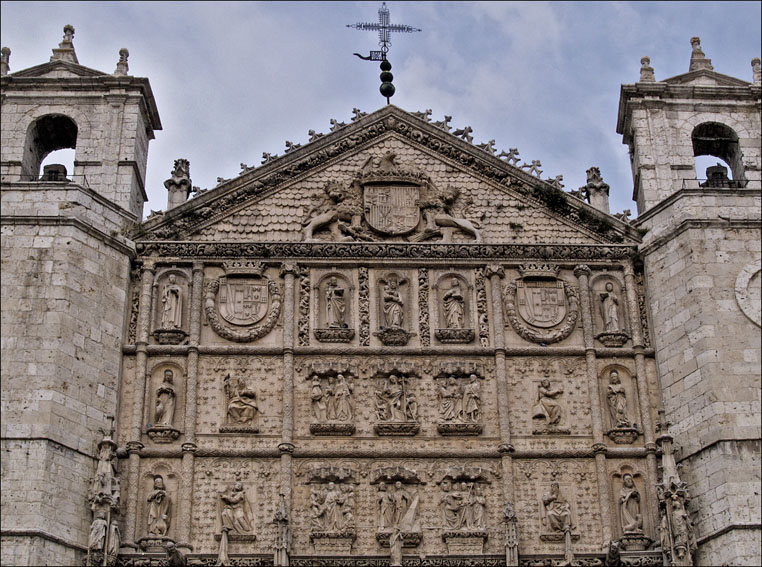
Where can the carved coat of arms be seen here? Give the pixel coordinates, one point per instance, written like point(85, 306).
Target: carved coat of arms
point(243, 301)
point(392, 209)
point(541, 303)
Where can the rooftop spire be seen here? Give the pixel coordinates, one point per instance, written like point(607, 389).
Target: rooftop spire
point(384, 28)
point(698, 59)
point(65, 50)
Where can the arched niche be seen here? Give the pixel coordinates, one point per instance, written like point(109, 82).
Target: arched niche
point(721, 141)
point(608, 303)
point(454, 309)
point(631, 506)
point(334, 308)
point(163, 430)
point(44, 135)
point(619, 403)
point(171, 306)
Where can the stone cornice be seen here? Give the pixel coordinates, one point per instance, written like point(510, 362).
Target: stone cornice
point(213, 250)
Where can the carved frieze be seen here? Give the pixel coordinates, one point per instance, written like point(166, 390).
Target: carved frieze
point(303, 323)
point(332, 510)
point(481, 307)
point(463, 504)
point(243, 305)
point(396, 404)
point(423, 306)
point(539, 306)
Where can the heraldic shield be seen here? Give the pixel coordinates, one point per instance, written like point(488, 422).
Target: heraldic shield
point(243, 301)
point(541, 303)
point(392, 209)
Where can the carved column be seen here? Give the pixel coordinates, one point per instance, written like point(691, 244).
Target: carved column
point(641, 383)
point(599, 447)
point(286, 446)
point(191, 404)
point(141, 359)
point(496, 273)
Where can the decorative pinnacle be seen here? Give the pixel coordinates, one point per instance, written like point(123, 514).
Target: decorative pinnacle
point(6, 55)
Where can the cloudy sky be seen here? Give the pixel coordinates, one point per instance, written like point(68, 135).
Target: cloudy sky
point(233, 80)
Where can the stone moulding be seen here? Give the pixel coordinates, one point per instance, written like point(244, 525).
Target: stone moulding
point(234, 537)
point(169, 336)
point(449, 429)
point(557, 537)
point(333, 543)
point(455, 336)
point(535, 335)
point(635, 542)
point(623, 435)
point(154, 543)
point(464, 542)
point(398, 428)
point(551, 430)
point(239, 429)
point(330, 429)
point(409, 539)
point(163, 434)
point(243, 335)
point(307, 250)
point(394, 337)
point(613, 339)
point(334, 335)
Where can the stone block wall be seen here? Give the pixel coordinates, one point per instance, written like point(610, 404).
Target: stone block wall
point(65, 276)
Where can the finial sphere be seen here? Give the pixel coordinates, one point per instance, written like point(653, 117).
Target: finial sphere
point(386, 89)
point(385, 65)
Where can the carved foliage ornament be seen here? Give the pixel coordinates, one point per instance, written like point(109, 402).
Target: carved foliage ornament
point(541, 307)
point(242, 297)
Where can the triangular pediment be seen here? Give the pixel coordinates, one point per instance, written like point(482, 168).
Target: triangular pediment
point(706, 77)
point(427, 186)
point(58, 69)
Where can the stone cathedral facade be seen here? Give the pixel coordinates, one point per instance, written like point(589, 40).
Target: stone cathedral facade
point(388, 346)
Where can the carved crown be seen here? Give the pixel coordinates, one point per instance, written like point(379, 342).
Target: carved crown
point(243, 268)
point(546, 271)
point(386, 170)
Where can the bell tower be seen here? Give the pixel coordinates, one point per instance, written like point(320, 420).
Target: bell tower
point(701, 256)
point(65, 280)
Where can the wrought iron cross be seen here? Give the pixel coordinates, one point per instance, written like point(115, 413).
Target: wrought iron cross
point(384, 29)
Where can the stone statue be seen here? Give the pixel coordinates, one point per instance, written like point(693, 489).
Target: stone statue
point(556, 511)
point(401, 499)
point(546, 407)
point(617, 399)
point(385, 502)
point(319, 407)
point(335, 305)
point(629, 502)
point(235, 513)
point(242, 401)
point(158, 508)
point(472, 398)
point(511, 536)
point(679, 542)
point(175, 557)
point(165, 401)
point(172, 301)
point(449, 399)
point(394, 403)
point(104, 539)
point(332, 508)
point(395, 548)
point(283, 538)
point(454, 306)
point(610, 309)
point(393, 305)
point(451, 506)
point(342, 395)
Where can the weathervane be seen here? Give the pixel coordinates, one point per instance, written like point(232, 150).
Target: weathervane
point(384, 28)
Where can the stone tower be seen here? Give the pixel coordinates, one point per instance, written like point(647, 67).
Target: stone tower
point(701, 255)
point(65, 276)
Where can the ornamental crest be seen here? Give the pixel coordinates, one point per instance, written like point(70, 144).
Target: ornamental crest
point(541, 303)
point(243, 301)
point(392, 209)
point(243, 297)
